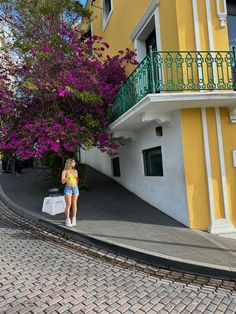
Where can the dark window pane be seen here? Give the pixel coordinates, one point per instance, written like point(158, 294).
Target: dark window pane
point(159, 131)
point(107, 6)
point(116, 167)
point(151, 41)
point(231, 7)
point(232, 30)
point(153, 162)
point(231, 20)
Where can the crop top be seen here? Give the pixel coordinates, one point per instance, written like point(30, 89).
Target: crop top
point(72, 180)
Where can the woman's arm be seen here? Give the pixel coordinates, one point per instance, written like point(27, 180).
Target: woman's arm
point(64, 177)
point(77, 176)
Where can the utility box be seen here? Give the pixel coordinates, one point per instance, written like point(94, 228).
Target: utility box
point(54, 203)
point(234, 158)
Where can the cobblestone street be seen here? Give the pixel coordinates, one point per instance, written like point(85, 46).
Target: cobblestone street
point(39, 275)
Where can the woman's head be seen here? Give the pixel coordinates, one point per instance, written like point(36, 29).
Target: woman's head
point(70, 163)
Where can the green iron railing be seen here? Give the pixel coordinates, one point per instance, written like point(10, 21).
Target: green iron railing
point(176, 71)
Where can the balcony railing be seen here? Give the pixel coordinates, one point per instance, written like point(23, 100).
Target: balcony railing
point(173, 71)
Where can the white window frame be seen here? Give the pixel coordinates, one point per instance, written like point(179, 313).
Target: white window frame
point(106, 18)
point(91, 27)
point(140, 32)
point(152, 12)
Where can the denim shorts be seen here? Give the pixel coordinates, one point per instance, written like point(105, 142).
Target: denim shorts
point(71, 190)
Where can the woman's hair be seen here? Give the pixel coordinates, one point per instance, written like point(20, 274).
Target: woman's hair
point(68, 163)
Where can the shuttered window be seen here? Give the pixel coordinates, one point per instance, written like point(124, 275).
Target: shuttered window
point(153, 162)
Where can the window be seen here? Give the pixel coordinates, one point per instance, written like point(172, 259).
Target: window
point(116, 166)
point(153, 162)
point(159, 131)
point(151, 41)
point(144, 38)
point(231, 8)
point(107, 10)
point(87, 34)
point(231, 19)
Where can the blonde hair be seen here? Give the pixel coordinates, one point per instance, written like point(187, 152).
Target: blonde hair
point(68, 163)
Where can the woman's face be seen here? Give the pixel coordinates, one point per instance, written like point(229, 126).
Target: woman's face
point(73, 163)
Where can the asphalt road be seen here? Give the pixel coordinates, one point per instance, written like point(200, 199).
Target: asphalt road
point(42, 273)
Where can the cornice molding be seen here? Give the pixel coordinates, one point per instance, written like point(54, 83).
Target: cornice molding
point(161, 119)
point(144, 19)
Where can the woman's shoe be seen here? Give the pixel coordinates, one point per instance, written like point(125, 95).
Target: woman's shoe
point(73, 221)
point(68, 223)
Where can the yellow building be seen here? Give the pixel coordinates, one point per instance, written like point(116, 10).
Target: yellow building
point(176, 114)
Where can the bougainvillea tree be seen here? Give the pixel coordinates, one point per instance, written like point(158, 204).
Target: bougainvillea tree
point(63, 90)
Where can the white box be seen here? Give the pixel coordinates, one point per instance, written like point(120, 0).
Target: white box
point(54, 205)
point(234, 158)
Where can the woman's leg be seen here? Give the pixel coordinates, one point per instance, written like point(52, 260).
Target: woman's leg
point(74, 204)
point(68, 198)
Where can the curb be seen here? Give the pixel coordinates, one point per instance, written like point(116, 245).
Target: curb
point(158, 260)
point(155, 259)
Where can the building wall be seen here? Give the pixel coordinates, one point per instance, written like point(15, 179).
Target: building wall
point(220, 35)
point(120, 25)
point(97, 159)
point(215, 163)
point(208, 36)
point(194, 163)
point(183, 25)
point(121, 22)
point(167, 193)
point(168, 25)
point(229, 144)
point(195, 166)
point(203, 31)
point(176, 24)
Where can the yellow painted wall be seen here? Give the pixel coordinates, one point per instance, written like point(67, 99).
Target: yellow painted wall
point(202, 17)
point(184, 13)
point(177, 33)
point(229, 144)
point(215, 163)
point(176, 25)
point(123, 20)
point(176, 22)
point(220, 35)
point(168, 25)
point(125, 17)
point(194, 165)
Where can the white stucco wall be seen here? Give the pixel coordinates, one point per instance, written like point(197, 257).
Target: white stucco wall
point(167, 193)
point(98, 160)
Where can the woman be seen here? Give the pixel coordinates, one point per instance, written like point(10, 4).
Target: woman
point(71, 192)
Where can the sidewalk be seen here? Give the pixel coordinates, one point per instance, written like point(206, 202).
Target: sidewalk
point(112, 217)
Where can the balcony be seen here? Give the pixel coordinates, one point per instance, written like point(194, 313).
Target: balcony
point(165, 72)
